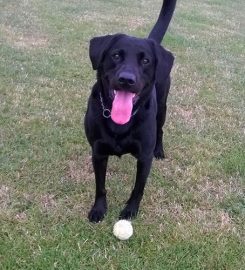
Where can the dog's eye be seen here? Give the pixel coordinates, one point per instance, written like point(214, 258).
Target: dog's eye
point(116, 56)
point(145, 61)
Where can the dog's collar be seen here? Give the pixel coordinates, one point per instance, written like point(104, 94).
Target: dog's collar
point(107, 112)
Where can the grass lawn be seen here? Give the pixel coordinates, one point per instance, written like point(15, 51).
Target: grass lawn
point(193, 212)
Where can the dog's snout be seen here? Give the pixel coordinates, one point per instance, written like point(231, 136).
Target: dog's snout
point(126, 78)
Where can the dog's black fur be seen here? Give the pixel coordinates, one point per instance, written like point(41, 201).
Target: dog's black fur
point(140, 66)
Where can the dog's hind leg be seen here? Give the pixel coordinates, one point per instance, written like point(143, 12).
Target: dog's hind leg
point(161, 116)
point(162, 94)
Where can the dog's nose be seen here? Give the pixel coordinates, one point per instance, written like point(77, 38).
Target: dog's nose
point(126, 78)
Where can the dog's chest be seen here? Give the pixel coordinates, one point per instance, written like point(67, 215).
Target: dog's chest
point(118, 146)
point(127, 145)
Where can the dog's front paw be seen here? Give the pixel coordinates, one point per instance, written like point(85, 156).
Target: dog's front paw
point(97, 213)
point(129, 212)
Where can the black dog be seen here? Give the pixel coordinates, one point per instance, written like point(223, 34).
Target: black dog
point(127, 107)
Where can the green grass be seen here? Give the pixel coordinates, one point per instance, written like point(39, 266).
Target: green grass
point(192, 215)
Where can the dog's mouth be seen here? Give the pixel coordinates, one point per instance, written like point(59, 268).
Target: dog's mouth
point(122, 106)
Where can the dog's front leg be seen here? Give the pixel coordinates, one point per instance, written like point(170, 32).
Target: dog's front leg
point(132, 205)
point(99, 208)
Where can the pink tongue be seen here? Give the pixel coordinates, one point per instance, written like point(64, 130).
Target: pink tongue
point(122, 107)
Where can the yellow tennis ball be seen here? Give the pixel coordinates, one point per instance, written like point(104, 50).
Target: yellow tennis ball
point(123, 229)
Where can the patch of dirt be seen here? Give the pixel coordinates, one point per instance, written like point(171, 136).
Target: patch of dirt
point(31, 42)
point(48, 201)
point(132, 23)
point(21, 40)
point(192, 118)
point(218, 190)
point(21, 217)
point(4, 196)
point(79, 169)
point(206, 219)
point(185, 114)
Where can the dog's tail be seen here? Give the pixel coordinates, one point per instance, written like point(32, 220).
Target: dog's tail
point(158, 31)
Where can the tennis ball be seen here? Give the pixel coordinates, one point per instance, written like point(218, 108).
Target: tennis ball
point(123, 229)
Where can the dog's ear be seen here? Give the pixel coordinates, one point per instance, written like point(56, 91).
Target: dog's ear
point(164, 61)
point(99, 46)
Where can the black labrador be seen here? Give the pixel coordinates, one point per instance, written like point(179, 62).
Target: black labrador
point(127, 107)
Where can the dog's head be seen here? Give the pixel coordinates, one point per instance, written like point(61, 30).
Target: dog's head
point(128, 67)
